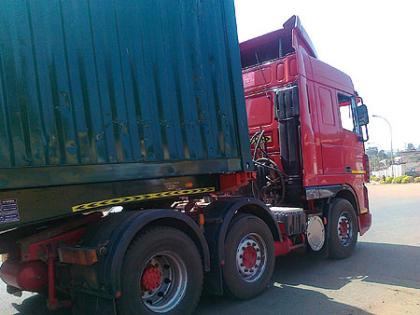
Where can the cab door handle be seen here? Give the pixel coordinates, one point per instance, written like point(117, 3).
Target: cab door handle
point(347, 169)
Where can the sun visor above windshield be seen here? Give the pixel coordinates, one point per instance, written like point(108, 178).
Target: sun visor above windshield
point(276, 44)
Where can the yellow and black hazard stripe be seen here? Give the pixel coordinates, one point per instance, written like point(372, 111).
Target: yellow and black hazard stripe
point(143, 197)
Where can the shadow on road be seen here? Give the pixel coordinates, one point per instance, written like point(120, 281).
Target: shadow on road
point(285, 300)
point(36, 305)
point(373, 262)
point(387, 264)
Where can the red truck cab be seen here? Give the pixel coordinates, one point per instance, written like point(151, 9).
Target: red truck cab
point(310, 121)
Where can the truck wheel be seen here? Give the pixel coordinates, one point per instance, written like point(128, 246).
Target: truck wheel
point(249, 257)
point(162, 274)
point(342, 229)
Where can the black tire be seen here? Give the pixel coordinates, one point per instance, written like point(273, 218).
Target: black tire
point(144, 252)
point(236, 284)
point(337, 247)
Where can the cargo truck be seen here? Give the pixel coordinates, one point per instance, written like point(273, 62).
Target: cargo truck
point(129, 177)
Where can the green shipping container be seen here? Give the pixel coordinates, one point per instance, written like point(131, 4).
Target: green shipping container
point(105, 91)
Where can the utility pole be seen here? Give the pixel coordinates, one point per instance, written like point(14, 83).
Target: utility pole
point(392, 150)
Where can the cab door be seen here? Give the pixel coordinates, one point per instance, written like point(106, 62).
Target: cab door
point(340, 135)
point(329, 131)
point(352, 144)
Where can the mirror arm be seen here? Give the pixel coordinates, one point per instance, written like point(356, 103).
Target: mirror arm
point(367, 134)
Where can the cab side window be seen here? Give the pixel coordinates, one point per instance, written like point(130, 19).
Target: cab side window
point(346, 106)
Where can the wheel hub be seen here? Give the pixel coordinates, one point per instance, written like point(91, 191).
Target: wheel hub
point(163, 282)
point(344, 229)
point(251, 257)
point(151, 279)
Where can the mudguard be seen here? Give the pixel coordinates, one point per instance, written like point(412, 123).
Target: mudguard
point(113, 235)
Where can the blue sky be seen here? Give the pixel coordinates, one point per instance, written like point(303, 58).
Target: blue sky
point(376, 42)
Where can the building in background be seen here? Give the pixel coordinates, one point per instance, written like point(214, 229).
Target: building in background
point(406, 162)
point(411, 158)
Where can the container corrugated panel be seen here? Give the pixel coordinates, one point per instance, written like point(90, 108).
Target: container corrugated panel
point(101, 90)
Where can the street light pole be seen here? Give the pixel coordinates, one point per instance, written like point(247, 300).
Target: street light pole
point(392, 150)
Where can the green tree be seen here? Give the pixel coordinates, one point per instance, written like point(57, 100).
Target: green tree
point(372, 153)
point(411, 147)
point(382, 155)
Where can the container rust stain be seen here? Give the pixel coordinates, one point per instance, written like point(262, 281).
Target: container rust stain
point(87, 87)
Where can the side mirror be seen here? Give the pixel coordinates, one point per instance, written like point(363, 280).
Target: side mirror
point(362, 115)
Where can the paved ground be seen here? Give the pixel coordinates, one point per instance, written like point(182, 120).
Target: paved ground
point(382, 277)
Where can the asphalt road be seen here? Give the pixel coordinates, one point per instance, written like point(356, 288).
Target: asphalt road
point(382, 277)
